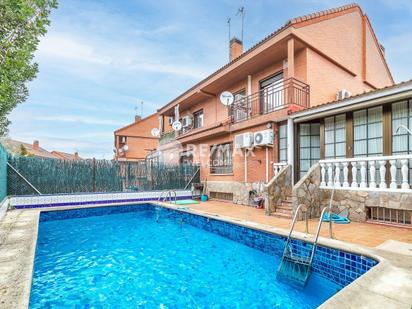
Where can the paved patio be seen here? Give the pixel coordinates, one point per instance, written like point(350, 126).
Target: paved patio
point(366, 234)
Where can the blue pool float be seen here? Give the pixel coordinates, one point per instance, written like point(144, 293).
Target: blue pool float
point(335, 219)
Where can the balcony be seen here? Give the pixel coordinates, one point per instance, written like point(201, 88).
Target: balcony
point(167, 138)
point(277, 96)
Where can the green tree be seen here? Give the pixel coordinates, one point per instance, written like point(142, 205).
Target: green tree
point(22, 23)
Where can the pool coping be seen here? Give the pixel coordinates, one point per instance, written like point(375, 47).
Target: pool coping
point(383, 286)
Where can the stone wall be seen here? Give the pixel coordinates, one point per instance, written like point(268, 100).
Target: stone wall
point(306, 191)
point(240, 190)
point(357, 201)
point(278, 189)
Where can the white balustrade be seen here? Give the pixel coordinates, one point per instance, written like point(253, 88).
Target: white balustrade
point(345, 174)
point(330, 175)
point(372, 170)
point(393, 170)
point(405, 172)
point(367, 168)
point(277, 167)
point(337, 174)
point(322, 174)
point(354, 175)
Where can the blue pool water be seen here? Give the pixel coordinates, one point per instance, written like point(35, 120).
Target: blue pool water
point(129, 260)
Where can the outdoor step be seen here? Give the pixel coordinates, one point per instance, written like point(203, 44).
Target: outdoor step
point(284, 207)
point(281, 215)
point(284, 211)
point(286, 203)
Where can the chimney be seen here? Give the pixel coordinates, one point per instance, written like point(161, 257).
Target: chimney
point(36, 145)
point(76, 155)
point(235, 48)
point(137, 118)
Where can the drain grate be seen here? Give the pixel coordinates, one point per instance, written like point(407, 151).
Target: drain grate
point(389, 215)
point(226, 196)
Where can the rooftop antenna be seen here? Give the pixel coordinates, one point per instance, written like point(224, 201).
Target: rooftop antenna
point(241, 11)
point(141, 109)
point(228, 25)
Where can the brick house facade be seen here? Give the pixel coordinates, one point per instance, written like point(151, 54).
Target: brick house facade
point(305, 63)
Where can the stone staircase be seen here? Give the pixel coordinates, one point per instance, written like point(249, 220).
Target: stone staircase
point(284, 210)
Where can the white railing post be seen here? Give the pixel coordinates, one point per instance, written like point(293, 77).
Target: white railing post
point(277, 167)
point(354, 175)
point(382, 174)
point(372, 173)
point(393, 170)
point(337, 174)
point(345, 174)
point(322, 173)
point(330, 175)
point(405, 172)
point(363, 183)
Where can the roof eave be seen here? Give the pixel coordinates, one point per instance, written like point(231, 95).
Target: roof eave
point(380, 96)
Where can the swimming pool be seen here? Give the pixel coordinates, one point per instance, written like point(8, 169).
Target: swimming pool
point(142, 255)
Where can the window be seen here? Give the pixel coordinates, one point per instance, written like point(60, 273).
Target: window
point(283, 143)
point(241, 109)
point(198, 119)
point(271, 93)
point(221, 159)
point(367, 132)
point(335, 137)
point(401, 139)
point(122, 140)
point(309, 142)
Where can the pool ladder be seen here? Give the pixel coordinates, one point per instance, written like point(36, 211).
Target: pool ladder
point(167, 194)
point(295, 269)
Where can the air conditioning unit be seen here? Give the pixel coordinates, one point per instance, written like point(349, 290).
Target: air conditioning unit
point(263, 138)
point(187, 121)
point(342, 94)
point(171, 120)
point(244, 140)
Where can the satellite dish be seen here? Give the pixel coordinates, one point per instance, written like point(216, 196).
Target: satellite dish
point(227, 98)
point(177, 125)
point(125, 148)
point(155, 132)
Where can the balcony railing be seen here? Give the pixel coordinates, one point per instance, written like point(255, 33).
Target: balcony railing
point(369, 173)
point(167, 137)
point(269, 99)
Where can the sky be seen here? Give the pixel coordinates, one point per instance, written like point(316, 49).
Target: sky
point(101, 59)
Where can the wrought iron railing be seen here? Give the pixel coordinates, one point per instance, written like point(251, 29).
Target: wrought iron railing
point(269, 99)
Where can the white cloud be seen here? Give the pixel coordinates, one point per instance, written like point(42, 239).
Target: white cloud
point(64, 46)
point(74, 52)
point(79, 119)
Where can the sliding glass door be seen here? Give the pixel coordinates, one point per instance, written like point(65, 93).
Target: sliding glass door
point(309, 143)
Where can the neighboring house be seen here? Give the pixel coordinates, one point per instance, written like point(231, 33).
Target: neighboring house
point(135, 141)
point(310, 60)
point(65, 155)
point(34, 149)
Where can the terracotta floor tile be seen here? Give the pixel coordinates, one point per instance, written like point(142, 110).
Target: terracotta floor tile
point(362, 233)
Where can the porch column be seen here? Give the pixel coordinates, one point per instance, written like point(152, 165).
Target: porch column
point(291, 58)
point(291, 146)
point(249, 85)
